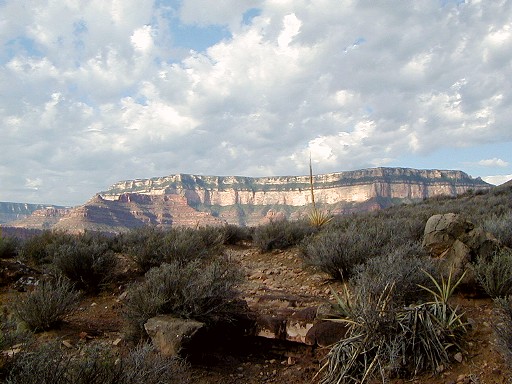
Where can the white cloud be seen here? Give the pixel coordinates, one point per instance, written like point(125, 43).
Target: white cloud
point(494, 162)
point(92, 92)
point(291, 29)
point(142, 40)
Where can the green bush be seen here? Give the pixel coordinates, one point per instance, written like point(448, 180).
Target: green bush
point(403, 267)
point(234, 234)
point(144, 365)
point(38, 249)
point(88, 266)
point(500, 227)
point(349, 241)
point(200, 289)
point(10, 333)
point(502, 325)
point(281, 234)
point(495, 275)
point(8, 247)
point(49, 363)
point(150, 247)
point(44, 364)
point(47, 305)
point(336, 253)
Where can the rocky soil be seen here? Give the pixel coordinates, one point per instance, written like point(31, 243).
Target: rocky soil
point(275, 282)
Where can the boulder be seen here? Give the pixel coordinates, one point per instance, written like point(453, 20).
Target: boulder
point(458, 243)
point(325, 333)
point(441, 231)
point(170, 334)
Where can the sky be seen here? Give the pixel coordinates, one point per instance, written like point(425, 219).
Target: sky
point(98, 91)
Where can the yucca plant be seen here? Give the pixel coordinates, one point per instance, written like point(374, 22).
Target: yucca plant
point(316, 217)
point(383, 341)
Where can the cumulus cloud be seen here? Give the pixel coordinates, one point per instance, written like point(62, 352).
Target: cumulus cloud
point(95, 92)
point(494, 162)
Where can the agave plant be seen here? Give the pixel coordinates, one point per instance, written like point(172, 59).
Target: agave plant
point(316, 217)
point(383, 340)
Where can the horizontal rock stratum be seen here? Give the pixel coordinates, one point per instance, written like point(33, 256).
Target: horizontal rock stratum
point(193, 200)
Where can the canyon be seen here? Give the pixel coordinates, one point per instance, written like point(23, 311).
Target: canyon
point(197, 200)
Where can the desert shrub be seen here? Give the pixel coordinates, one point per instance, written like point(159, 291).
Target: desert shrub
point(144, 365)
point(143, 245)
point(96, 364)
point(281, 234)
point(212, 236)
point(10, 333)
point(347, 242)
point(502, 325)
point(200, 289)
point(495, 275)
point(234, 234)
point(337, 253)
point(501, 227)
point(8, 247)
point(333, 253)
point(44, 364)
point(385, 341)
point(88, 265)
point(47, 305)
point(403, 267)
point(150, 247)
point(38, 249)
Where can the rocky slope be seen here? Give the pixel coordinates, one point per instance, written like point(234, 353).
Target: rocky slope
point(193, 200)
point(16, 211)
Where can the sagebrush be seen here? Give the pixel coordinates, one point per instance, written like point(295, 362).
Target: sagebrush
point(47, 304)
point(202, 290)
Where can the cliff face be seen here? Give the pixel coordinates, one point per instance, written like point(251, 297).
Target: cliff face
point(192, 200)
point(16, 211)
point(355, 186)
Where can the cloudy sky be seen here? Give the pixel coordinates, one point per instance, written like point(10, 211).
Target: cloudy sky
point(93, 92)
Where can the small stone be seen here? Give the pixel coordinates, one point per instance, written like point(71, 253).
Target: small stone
point(273, 361)
point(458, 357)
point(440, 368)
point(12, 351)
point(122, 296)
point(84, 335)
point(67, 344)
point(291, 360)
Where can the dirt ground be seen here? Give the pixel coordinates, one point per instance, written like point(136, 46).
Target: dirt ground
point(259, 360)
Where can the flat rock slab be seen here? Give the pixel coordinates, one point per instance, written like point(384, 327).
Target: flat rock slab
point(169, 334)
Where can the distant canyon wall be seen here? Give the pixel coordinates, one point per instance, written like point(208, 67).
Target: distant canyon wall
point(195, 200)
point(355, 187)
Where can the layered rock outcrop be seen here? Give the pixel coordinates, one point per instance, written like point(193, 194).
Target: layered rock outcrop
point(192, 200)
point(17, 211)
point(354, 186)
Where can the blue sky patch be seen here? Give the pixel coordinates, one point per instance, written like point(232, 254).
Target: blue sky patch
point(249, 15)
point(198, 38)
